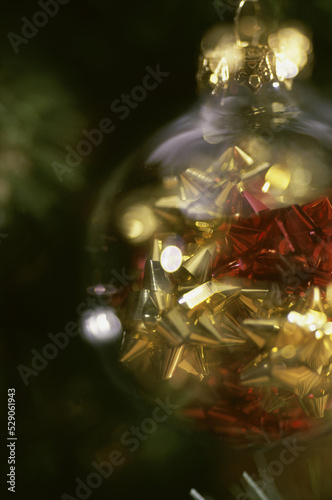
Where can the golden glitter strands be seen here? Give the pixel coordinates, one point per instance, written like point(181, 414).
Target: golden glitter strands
point(199, 266)
point(225, 163)
point(195, 362)
point(234, 159)
point(157, 248)
point(201, 337)
point(231, 323)
point(223, 196)
point(236, 167)
point(255, 172)
point(174, 327)
point(251, 305)
point(206, 331)
point(316, 354)
point(198, 178)
point(220, 301)
point(257, 373)
point(188, 190)
point(205, 191)
point(299, 379)
point(261, 331)
point(258, 338)
point(206, 228)
point(301, 353)
point(166, 360)
point(260, 369)
point(155, 278)
point(203, 292)
point(290, 334)
point(132, 347)
point(168, 216)
point(272, 400)
point(272, 326)
point(216, 329)
point(162, 300)
point(243, 160)
point(171, 202)
point(314, 407)
point(151, 314)
point(135, 306)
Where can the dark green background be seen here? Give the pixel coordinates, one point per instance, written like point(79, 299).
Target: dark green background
point(93, 51)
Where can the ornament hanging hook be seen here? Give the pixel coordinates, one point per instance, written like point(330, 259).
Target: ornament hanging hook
point(248, 23)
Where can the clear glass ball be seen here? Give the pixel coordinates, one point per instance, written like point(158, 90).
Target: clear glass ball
point(212, 246)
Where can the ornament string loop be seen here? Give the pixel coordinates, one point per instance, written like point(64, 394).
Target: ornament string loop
point(249, 23)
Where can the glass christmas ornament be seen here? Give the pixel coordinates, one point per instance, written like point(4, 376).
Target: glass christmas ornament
point(212, 246)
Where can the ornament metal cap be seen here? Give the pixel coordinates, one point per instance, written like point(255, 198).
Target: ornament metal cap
point(252, 55)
